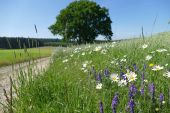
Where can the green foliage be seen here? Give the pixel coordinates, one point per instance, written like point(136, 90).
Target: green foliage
point(82, 21)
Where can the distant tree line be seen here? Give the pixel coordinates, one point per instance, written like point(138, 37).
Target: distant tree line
point(16, 43)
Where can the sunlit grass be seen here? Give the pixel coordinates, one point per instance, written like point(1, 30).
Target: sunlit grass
point(11, 56)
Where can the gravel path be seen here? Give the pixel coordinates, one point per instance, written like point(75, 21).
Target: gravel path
point(5, 72)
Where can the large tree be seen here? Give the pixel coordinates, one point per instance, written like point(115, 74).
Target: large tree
point(83, 21)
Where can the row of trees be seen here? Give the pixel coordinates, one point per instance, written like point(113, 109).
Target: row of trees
point(15, 43)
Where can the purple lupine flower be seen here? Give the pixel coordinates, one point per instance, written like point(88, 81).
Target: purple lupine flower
point(131, 105)
point(152, 91)
point(122, 76)
point(144, 66)
point(115, 101)
point(142, 91)
point(161, 98)
point(152, 88)
point(99, 77)
point(106, 72)
point(135, 67)
point(101, 107)
point(132, 91)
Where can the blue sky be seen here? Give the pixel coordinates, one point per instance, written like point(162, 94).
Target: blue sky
point(17, 17)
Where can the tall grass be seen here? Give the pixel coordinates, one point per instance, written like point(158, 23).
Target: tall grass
point(69, 85)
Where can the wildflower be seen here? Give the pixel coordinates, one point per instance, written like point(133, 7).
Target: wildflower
point(125, 56)
point(71, 55)
point(106, 72)
point(142, 91)
point(157, 68)
point(163, 102)
point(83, 53)
point(161, 50)
point(101, 107)
point(135, 67)
point(103, 51)
point(156, 109)
point(144, 66)
point(115, 102)
point(132, 91)
point(131, 105)
point(98, 48)
point(85, 70)
point(148, 57)
point(76, 50)
point(112, 62)
point(114, 77)
point(123, 60)
point(144, 46)
point(153, 52)
point(66, 60)
point(122, 83)
point(84, 65)
point(99, 86)
point(152, 91)
point(161, 98)
point(167, 74)
point(146, 81)
point(99, 77)
point(151, 65)
point(131, 76)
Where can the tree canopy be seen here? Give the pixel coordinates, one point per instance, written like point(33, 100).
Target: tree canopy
point(82, 21)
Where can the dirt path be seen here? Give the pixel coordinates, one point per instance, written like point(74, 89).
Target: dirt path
point(5, 72)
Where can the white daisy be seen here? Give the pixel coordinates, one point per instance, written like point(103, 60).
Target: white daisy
point(167, 74)
point(144, 46)
point(103, 51)
point(98, 48)
point(161, 50)
point(157, 68)
point(114, 77)
point(131, 76)
point(123, 60)
point(148, 57)
point(83, 53)
point(122, 83)
point(99, 86)
point(66, 60)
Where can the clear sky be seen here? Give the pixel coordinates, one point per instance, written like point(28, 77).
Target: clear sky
point(17, 17)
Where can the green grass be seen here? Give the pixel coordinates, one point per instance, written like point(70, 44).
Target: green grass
point(67, 88)
point(12, 56)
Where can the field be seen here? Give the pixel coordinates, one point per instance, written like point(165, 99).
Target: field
point(129, 76)
point(10, 56)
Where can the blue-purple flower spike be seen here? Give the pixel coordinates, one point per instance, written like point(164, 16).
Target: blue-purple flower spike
point(99, 77)
point(142, 91)
point(106, 72)
point(135, 67)
point(161, 98)
point(132, 91)
point(101, 107)
point(115, 101)
point(131, 105)
point(152, 90)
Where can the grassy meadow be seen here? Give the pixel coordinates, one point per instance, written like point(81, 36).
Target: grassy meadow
point(128, 76)
point(11, 56)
